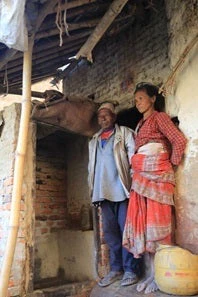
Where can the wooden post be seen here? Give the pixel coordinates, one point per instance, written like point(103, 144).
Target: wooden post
point(114, 9)
point(18, 173)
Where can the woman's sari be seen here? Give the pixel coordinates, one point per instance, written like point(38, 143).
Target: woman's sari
point(149, 219)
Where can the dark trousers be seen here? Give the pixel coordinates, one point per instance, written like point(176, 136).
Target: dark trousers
point(113, 217)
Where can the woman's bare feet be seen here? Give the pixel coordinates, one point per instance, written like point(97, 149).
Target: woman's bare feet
point(152, 287)
point(148, 285)
point(143, 285)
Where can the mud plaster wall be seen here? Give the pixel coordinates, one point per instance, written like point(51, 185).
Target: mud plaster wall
point(19, 282)
point(182, 28)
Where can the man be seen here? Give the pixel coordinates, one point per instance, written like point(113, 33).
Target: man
point(110, 151)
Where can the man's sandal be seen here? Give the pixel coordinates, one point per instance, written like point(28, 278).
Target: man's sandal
point(129, 278)
point(110, 278)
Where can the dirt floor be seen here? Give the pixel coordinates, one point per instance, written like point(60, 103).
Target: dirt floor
point(115, 290)
point(91, 289)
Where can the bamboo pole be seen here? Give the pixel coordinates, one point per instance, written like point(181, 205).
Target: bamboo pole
point(18, 173)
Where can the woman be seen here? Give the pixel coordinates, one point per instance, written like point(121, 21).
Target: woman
point(159, 145)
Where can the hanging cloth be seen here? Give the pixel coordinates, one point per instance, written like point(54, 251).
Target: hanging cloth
point(13, 31)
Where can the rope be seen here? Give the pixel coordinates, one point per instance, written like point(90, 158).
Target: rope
point(165, 88)
point(65, 21)
point(5, 81)
point(61, 22)
point(58, 22)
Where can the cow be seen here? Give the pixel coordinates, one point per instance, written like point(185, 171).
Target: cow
point(77, 116)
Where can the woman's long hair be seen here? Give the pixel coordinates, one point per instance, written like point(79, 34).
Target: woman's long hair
point(152, 90)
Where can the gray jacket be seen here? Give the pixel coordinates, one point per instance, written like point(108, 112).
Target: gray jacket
point(124, 148)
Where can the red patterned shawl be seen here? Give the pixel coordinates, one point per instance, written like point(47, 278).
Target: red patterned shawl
point(149, 219)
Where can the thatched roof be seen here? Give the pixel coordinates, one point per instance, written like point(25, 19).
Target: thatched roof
point(80, 20)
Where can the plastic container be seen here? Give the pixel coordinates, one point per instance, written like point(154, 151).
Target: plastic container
point(176, 270)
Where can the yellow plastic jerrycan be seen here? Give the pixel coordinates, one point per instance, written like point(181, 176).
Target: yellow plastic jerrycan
point(176, 270)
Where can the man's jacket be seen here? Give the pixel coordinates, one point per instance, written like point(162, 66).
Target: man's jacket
point(123, 149)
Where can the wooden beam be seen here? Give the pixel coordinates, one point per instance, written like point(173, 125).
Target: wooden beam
point(40, 56)
point(81, 11)
point(72, 4)
point(18, 91)
point(40, 49)
point(71, 27)
point(57, 52)
point(7, 56)
point(10, 53)
point(114, 9)
point(35, 79)
point(61, 74)
point(53, 41)
point(46, 8)
point(39, 78)
point(41, 69)
point(60, 56)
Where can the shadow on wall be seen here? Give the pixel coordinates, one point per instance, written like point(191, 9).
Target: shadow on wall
point(129, 117)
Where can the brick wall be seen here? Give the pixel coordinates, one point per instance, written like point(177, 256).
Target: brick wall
point(50, 203)
point(77, 186)
point(61, 194)
point(61, 182)
point(9, 132)
point(147, 52)
point(50, 206)
point(138, 54)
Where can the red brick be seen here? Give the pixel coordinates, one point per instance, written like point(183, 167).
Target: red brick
point(44, 230)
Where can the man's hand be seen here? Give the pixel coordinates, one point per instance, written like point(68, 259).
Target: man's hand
point(96, 204)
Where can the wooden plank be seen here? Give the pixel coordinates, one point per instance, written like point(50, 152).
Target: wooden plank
point(96, 9)
point(7, 56)
point(58, 56)
point(40, 56)
point(71, 27)
point(18, 91)
point(53, 64)
point(10, 53)
point(45, 10)
point(72, 4)
point(54, 42)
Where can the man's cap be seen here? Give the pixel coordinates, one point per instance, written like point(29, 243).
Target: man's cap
point(107, 105)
